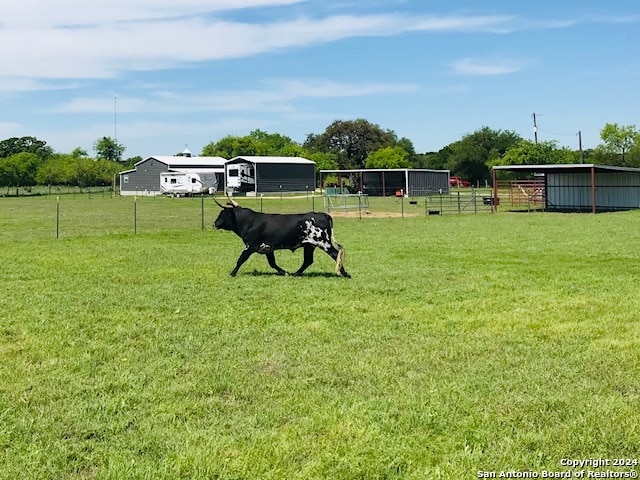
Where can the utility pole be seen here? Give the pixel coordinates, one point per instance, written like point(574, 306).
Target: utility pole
point(580, 144)
point(115, 119)
point(535, 129)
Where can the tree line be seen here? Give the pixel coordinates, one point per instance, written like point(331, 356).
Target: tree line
point(345, 144)
point(27, 161)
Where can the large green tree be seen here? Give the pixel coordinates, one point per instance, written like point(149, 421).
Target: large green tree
point(389, 157)
point(470, 157)
point(19, 170)
point(527, 152)
point(257, 142)
point(62, 169)
point(15, 145)
point(618, 142)
point(107, 148)
point(351, 141)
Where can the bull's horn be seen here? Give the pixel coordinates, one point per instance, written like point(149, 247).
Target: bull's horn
point(232, 202)
point(218, 203)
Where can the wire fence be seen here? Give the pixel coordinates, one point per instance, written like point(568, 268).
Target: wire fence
point(37, 190)
point(101, 213)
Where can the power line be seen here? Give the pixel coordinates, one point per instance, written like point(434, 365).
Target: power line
point(558, 134)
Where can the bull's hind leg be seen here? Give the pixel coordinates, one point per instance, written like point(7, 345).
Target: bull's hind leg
point(338, 256)
point(271, 258)
point(308, 259)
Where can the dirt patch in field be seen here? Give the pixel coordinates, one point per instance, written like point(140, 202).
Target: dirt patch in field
point(342, 213)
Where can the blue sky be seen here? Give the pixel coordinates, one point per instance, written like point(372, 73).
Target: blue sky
point(162, 74)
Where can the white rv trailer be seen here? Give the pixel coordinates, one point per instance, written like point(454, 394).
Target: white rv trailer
point(241, 177)
point(179, 184)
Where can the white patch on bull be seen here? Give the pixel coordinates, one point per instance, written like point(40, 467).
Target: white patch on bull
point(264, 248)
point(315, 236)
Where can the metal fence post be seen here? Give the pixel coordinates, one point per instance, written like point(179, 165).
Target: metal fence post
point(135, 214)
point(57, 217)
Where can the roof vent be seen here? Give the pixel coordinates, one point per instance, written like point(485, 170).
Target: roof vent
point(186, 152)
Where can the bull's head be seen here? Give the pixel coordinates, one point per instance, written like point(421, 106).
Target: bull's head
point(226, 218)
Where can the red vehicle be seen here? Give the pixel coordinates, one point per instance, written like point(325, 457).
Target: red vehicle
point(458, 182)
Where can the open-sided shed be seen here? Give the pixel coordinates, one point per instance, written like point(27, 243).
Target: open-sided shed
point(389, 181)
point(263, 174)
point(583, 187)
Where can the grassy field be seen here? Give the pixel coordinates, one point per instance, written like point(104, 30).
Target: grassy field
point(462, 343)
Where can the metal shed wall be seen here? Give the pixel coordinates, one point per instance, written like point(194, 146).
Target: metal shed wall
point(426, 182)
point(291, 177)
point(144, 179)
point(573, 191)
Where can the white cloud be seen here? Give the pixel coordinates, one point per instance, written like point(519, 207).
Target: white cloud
point(98, 39)
point(276, 96)
point(470, 66)
point(76, 13)
point(82, 40)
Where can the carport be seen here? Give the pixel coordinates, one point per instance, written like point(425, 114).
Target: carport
point(388, 181)
point(582, 187)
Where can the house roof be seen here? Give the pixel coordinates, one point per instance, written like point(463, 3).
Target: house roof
point(566, 167)
point(266, 159)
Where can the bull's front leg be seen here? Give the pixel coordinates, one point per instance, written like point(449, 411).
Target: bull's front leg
point(244, 256)
point(271, 258)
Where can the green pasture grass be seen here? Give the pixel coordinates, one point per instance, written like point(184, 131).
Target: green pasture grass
point(462, 343)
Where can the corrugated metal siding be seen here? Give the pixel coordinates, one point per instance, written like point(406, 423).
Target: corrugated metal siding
point(144, 180)
point(423, 183)
point(572, 191)
point(270, 177)
point(617, 191)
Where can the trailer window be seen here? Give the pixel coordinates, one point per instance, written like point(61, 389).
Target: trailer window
point(173, 180)
point(233, 173)
point(193, 180)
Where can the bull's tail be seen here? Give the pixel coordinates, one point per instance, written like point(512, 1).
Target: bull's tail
point(339, 258)
point(340, 248)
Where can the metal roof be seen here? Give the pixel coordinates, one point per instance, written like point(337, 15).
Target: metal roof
point(365, 170)
point(192, 162)
point(565, 167)
point(173, 162)
point(266, 159)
